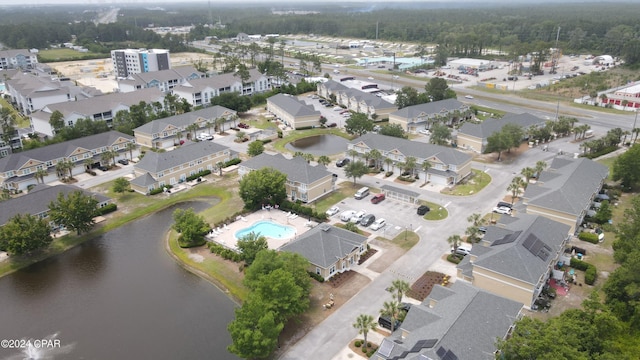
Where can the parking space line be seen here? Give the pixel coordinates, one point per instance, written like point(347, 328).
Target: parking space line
point(449, 203)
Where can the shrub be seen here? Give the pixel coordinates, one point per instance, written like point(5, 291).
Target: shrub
point(201, 173)
point(305, 128)
point(266, 141)
point(590, 275)
point(578, 264)
point(231, 162)
point(357, 343)
point(601, 152)
point(406, 178)
point(224, 252)
point(388, 173)
point(453, 258)
point(589, 237)
point(155, 191)
point(280, 134)
point(317, 277)
point(108, 209)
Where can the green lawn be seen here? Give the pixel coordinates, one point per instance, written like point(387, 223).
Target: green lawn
point(437, 212)
point(405, 240)
point(609, 163)
point(343, 191)
point(64, 54)
point(471, 185)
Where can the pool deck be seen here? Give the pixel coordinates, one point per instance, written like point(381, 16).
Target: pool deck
point(226, 235)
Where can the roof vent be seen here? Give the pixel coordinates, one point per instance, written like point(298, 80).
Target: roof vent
point(325, 227)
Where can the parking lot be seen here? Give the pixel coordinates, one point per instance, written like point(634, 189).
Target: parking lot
point(333, 116)
point(398, 215)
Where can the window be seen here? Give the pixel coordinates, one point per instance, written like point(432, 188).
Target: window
point(332, 269)
point(318, 270)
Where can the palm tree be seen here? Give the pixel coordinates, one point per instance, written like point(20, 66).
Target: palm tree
point(475, 219)
point(516, 184)
point(364, 323)
point(130, 147)
point(410, 164)
point(87, 163)
point(219, 165)
point(391, 309)
point(324, 160)
point(400, 287)
point(62, 167)
point(376, 156)
point(307, 156)
point(540, 166)
point(240, 136)
point(353, 153)
point(625, 133)
point(454, 241)
point(425, 167)
point(40, 175)
point(388, 162)
point(635, 131)
point(106, 157)
point(528, 174)
point(219, 125)
point(472, 233)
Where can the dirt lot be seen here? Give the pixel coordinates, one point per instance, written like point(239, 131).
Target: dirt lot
point(98, 73)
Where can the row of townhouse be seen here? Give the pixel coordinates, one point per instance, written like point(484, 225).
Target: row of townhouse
point(305, 182)
point(503, 274)
point(36, 202)
point(17, 59)
point(157, 170)
point(103, 107)
point(293, 112)
point(30, 92)
point(199, 92)
point(448, 166)
point(165, 80)
point(474, 137)
point(18, 170)
point(357, 101)
point(422, 116)
point(167, 132)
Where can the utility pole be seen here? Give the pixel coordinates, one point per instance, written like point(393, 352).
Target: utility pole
point(556, 53)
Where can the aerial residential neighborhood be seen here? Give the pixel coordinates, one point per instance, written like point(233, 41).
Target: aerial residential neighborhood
point(293, 186)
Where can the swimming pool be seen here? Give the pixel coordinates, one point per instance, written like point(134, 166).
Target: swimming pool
point(268, 229)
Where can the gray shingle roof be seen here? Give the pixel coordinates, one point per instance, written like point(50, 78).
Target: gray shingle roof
point(296, 169)
point(38, 199)
point(435, 107)
point(182, 72)
point(11, 53)
point(105, 103)
point(216, 81)
point(183, 120)
point(144, 180)
point(446, 155)
point(523, 249)
point(490, 126)
point(61, 150)
point(325, 244)
point(154, 162)
point(292, 105)
point(464, 323)
point(568, 185)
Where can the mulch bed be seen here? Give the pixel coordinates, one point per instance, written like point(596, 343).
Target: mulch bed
point(364, 257)
point(423, 286)
point(341, 278)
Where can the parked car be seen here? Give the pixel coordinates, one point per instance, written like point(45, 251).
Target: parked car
point(103, 168)
point(243, 126)
point(423, 209)
point(462, 251)
point(332, 125)
point(367, 220)
point(468, 97)
point(424, 132)
point(378, 224)
point(342, 162)
point(205, 137)
point(504, 204)
point(482, 229)
point(357, 217)
point(347, 215)
point(385, 322)
point(332, 211)
point(377, 198)
point(123, 161)
point(502, 210)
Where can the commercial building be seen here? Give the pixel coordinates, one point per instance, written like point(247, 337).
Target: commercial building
point(135, 61)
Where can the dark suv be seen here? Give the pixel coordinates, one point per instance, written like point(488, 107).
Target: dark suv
point(423, 209)
point(342, 162)
point(385, 322)
point(368, 220)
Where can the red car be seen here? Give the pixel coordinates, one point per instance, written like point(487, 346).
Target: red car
point(377, 198)
point(243, 126)
point(332, 125)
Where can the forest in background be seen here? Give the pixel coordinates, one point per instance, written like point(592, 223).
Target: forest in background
point(468, 30)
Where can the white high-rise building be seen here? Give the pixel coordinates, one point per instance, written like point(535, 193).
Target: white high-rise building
point(135, 61)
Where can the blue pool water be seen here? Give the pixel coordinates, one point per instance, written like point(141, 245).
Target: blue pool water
point(268, 229)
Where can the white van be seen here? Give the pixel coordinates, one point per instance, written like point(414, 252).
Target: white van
point(362, 193)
